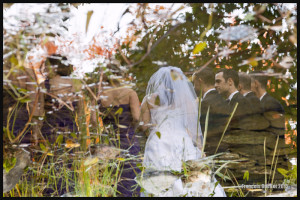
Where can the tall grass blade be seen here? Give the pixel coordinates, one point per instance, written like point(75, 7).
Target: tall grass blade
point(274, 169)
point(231, 115)
point(274, 155)
point(199, 112)
point(205, 130)
point(265, 166)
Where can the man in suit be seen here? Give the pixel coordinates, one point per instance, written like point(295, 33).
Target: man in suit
point(218, 112)
point(271, 108)
point(226, 83)
point(245, 89)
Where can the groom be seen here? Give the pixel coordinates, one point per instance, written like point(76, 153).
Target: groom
point(204, 81)
point(226, 83)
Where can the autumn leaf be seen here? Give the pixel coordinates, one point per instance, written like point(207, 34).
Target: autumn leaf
point(199, 47)
point(71, 144)
point(253, 62)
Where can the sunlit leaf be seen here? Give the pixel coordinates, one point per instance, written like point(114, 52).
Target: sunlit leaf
point(50, 154)
point(158, 134)
point(121, 159)
point(71, 144)
point(119, 111)
point(8, 164)
point(282, 171)
point(253, 62)
point(199, 47)
point(246, 175)
point(91, 161)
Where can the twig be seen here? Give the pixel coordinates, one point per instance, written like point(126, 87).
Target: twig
point(60, 101)
point(88, 88)
point(100, 82)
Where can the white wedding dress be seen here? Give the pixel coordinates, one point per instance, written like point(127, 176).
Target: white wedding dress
point(171, 143)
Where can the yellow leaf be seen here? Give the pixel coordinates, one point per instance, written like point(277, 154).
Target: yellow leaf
point(199, 47)
point(71, 144)
point(91, 161)
point(50, 154)
point(158, 134)
point(253, 62)
point(121, 159)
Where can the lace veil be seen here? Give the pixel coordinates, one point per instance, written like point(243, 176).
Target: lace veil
point(175, 91)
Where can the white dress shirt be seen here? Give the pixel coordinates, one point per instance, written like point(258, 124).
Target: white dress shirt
point(232, 94)
point(262, 96)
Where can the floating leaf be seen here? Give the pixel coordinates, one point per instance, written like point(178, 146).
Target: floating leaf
point(91, 161)
point(199, 47)
point(246, 175)
point(158, 134)
point(119, 111)
point(71, 144)
point(59, 139)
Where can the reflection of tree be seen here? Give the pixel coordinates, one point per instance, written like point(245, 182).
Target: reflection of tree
point(176, 48)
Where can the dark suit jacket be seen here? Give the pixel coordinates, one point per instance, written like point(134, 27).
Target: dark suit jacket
point(274, 112)
point(218, 113)
point(254, 102)
point(244, 107)
point(268, 103)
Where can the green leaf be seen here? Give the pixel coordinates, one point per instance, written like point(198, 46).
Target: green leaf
point(246, 175)
point(59, 139)
point(282, 171)
point(223, 176)
point(25, 100)
point(119, 111)
point(199, 47)
point(249, 17)
point(158, 134)
point(8, 164)
point(43, 147)
point(73, 135)
point(13, 60)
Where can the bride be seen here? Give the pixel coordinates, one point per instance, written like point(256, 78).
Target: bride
point(169, 112)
